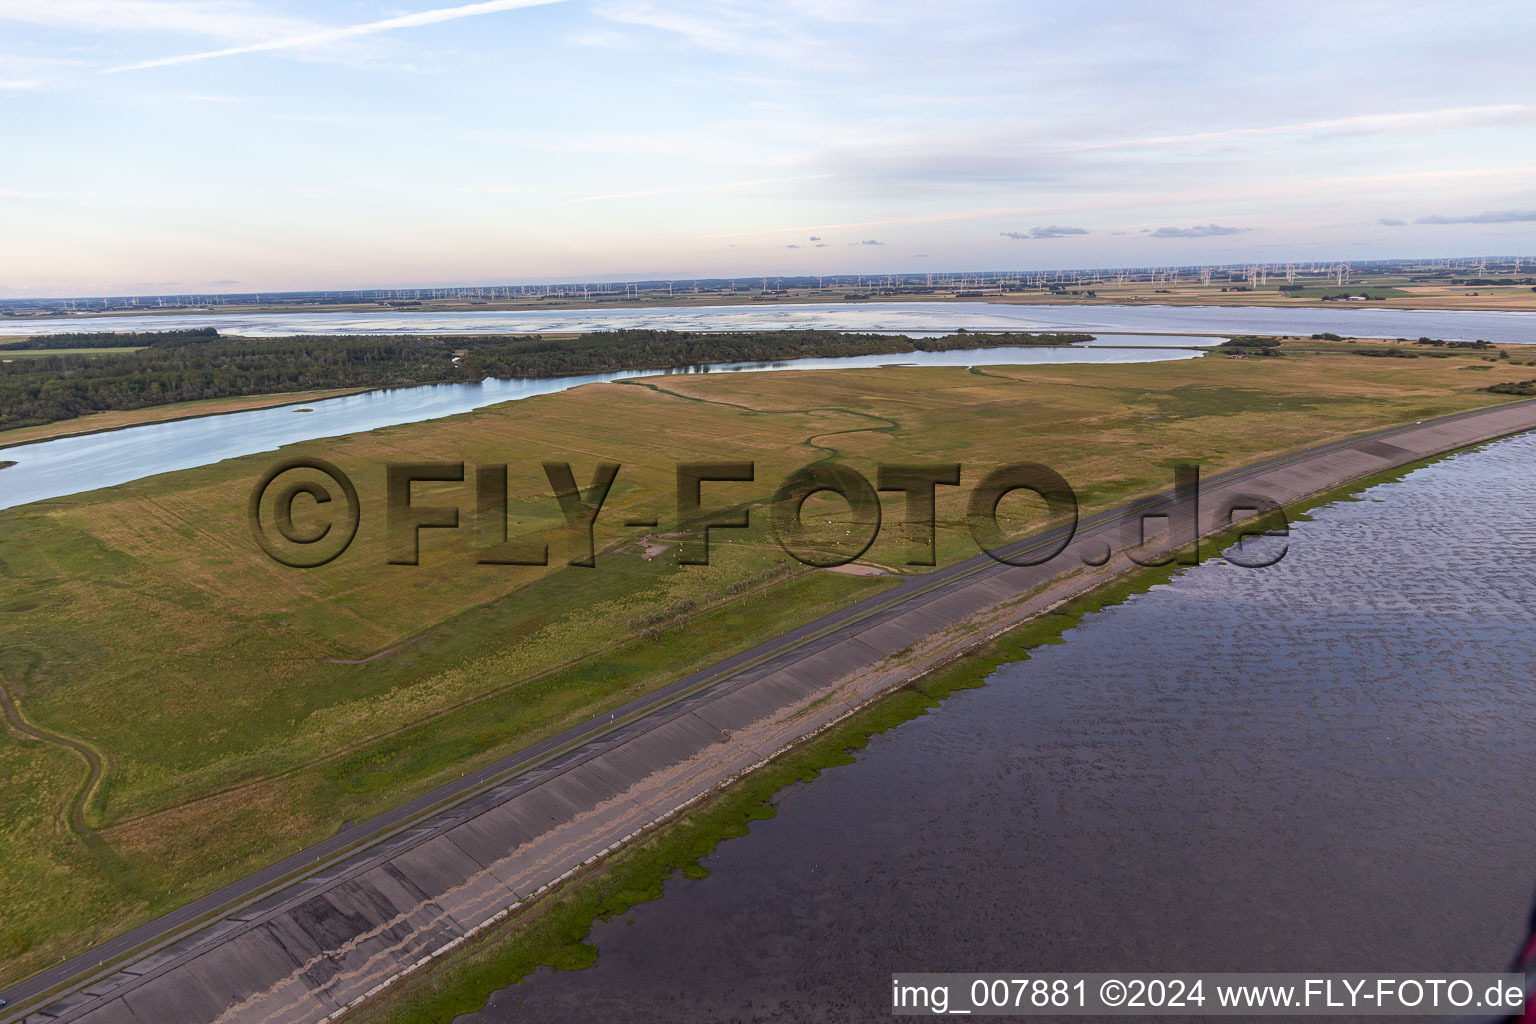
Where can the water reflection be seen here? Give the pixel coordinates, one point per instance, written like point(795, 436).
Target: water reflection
point(1321, 766)
point(928, 317)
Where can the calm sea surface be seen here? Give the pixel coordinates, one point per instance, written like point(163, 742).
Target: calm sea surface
point(1510, 327)
point(1321, 766)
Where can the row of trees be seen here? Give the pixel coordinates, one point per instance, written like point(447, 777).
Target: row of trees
point(86, 339)
point(42, 389)
point(606, 351)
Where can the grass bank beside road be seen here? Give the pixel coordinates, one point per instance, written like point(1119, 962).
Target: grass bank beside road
point(244, 709)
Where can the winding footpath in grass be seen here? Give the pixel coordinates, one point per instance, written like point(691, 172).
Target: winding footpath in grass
point(95, 761)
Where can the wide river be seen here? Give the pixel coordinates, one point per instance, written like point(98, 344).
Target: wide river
point(1321, 766)
point(927, 317)
point(69, 465)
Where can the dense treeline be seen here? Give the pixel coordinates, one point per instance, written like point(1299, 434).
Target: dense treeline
point(188, 366)
point(86, 339)
point(654, 350)
point(1480, 282)
point(43, 389)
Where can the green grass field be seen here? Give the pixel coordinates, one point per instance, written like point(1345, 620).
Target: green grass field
point(241, 709)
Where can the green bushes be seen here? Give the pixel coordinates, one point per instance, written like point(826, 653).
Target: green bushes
point(191, 367)
point(1249, 345)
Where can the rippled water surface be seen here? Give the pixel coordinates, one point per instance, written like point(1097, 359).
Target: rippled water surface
point(840, 316)
point(1321, 766)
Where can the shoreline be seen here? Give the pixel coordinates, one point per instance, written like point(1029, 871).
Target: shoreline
point(255, 404)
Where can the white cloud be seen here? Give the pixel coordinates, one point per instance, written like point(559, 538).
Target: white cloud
point(1488, 217)
point(1052, 231)
point(1417, 120)
point(1198, 231)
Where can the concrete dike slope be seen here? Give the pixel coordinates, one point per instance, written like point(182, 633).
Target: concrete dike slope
point(305, 939)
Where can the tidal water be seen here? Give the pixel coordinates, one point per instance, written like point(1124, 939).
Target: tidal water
point(1505, 327)
point(69, 465)
point(1325, 765)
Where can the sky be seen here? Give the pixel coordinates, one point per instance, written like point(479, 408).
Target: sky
point(171, 146)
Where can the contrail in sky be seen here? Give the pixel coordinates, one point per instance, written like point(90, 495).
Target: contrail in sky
point(331, 35)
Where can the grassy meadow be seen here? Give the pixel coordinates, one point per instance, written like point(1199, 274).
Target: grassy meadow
point(241, 709)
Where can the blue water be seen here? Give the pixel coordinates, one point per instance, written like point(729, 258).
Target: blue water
point(927, 317)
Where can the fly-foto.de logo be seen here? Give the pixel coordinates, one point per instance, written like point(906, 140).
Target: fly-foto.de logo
point(305, 513)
